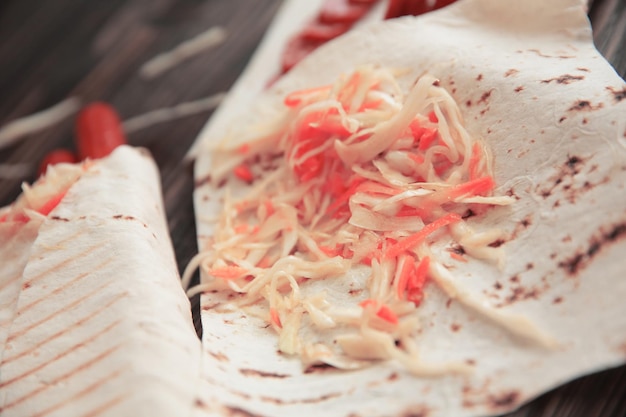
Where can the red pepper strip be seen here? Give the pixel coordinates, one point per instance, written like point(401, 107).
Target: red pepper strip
point(322, 32)
point(98, 131)
point(228, 272)
point(52, 203)
point(433, 117)
point(54, 157)
point(342, 11)
point(418, 237)
point(275, 318)
point(479, 186)
point(383, 311)
point(243, 173)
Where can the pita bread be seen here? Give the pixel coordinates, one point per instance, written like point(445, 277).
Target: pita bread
point(96, 321)
point(530, 82)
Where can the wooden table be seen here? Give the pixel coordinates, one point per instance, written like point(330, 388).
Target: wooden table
point(53, 49)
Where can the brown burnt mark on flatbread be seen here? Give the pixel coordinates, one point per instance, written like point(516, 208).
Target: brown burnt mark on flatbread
point(418, 410)
point(219, 356)
point(497, 243)
point(318, 368)
point(504, 401)
point(393, 377)
point(455, 327)
point(468, 103)
point(484, 98)
point(479, 77)
point(202, 181)
point(519, 88)
point(618, 95)
point(562, 119)
point(564, 185)
point(198, 403)
point(584, 105)
point(557, 300)
point(456, 248)
point(238, 412)
point(61, 219)
point(315, 400)
point(468, 214)
point(583, 69)
point(511, 72)
point(129, 218)
point(545, 55)
point(564, 79)
point(355, 291)
point(607, 236)
point(522, 293)
point(262, 374)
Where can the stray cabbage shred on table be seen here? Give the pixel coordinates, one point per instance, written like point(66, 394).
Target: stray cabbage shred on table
point(356, 174)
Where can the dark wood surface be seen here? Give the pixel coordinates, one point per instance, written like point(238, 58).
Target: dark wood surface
point(53, 49)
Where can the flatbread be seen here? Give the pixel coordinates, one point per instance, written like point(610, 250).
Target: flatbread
point(99, 324)
point(552, 110)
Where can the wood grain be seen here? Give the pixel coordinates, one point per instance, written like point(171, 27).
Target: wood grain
point(52, 49)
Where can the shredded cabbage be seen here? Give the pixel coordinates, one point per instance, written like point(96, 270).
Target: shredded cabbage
point(351, 175)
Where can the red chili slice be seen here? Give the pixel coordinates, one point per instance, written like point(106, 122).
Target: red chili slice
point(98, 131)
point(54, 157)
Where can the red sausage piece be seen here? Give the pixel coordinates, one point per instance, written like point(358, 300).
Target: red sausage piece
point(98, 131)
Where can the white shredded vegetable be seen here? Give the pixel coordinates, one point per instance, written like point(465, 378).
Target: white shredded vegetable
point(353, 176)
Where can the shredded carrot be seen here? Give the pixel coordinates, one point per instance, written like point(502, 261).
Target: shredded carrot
point(458, 257)
point(417, 238)
point(417, 158)
point(244, 149)
point(297, 97)
point(407, 211)
point(419, 278)
point(368, 105)
point(427, 139)
point(52, 203)
point(243, 173)
point(371, 187)
point(474, 161)
point(404, 274)
point(275, 318)
point(345, 197)
point(265, 262)
point(228, 272)
point(269, 207)
point(382, 310)
point(479, 186)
